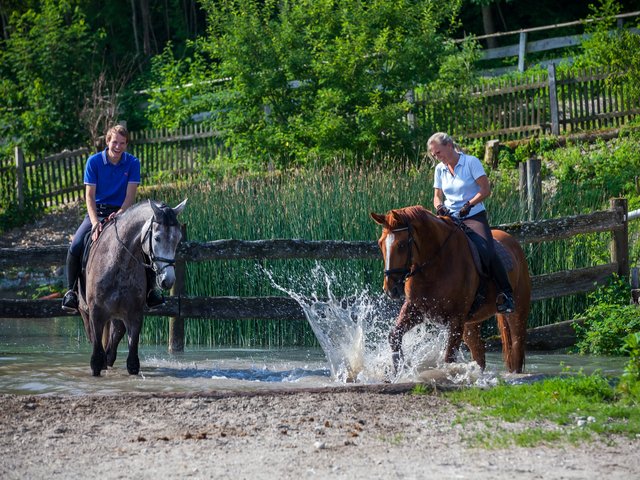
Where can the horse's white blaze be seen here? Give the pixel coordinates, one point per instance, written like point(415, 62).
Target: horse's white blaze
point(166, 248)
point(388, 243)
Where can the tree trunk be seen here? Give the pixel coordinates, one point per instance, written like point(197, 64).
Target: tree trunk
point(134, 26)
point(489, 26)
point(147, 28)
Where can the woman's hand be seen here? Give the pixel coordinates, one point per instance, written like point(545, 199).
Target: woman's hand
point(443, 211)
point(464, 211)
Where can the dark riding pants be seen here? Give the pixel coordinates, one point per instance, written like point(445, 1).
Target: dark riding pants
point(481, 236)
point(76, 249)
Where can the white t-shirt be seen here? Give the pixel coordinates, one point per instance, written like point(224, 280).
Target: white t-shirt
point(461, 187)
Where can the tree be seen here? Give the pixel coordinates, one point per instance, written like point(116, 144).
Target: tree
point(312, 78)
point(46, 68)
point(612, 46)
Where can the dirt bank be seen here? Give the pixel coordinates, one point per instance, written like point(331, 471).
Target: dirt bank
point(342, 434)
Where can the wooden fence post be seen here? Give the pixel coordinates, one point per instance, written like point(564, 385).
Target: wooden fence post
point(20, 175)
point(410, 97)
point(620, 240)
point(522, 51)
point(176, 324)
point(534, 188)
point(522, 185)
point(491, 149)
point(553, 100)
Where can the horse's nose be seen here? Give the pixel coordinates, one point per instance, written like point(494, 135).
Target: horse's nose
point(394, 292)
point(167, 283)
point(167, 278)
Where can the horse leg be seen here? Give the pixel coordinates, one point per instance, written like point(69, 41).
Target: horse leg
point(473, 339)
point(408, 317)
point(98, 357)
point(133, 361)
point(117, 332)
point(453, 342)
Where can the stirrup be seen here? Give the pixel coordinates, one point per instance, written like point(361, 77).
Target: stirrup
point(505, 303)
point(70, 302)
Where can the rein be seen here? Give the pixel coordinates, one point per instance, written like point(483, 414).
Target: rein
point(170, 262)
point(407, 269)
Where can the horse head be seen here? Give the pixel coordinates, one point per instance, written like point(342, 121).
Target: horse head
point(159, 238)
point(410, 237)
point(396, 245)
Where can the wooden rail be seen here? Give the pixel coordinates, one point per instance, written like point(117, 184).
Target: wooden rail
point(235, 308)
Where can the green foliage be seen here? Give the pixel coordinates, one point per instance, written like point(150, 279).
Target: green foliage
point(182, 87)
point(578, 406)
point(608, 320)
point(611, 46)
point(310, 79)
point(46, 68)
point(629, 385)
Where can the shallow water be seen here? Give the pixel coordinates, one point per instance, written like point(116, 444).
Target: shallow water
point(46, 356)
point(51, 356)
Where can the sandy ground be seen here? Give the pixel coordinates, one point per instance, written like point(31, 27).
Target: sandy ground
point(342, 434)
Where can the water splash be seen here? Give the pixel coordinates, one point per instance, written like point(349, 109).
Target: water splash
point(353, 333)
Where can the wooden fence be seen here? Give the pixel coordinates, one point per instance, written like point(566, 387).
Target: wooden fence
point(180, 306)
point(58, 179)
point(524, 47)
point(179, 151)
point(545, 103)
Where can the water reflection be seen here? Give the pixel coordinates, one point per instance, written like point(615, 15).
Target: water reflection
point(51, 356)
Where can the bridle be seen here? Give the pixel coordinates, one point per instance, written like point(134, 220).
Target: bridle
point(170, 262)
point(148, 234)
point(407, 271)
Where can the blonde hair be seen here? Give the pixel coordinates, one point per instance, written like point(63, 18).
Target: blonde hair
point(117, 129)
point(442, 138)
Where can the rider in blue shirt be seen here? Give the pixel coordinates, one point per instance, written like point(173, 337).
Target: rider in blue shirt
point(460, 185)
point(111, 179)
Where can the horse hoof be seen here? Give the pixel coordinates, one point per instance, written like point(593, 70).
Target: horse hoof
point(96, 373)
point(133, 367)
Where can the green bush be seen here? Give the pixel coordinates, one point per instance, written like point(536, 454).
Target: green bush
point(608, 320)
point(309, 80)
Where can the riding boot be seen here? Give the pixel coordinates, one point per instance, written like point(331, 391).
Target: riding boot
point(154, 297)
point(70, 299)
point(504, 301)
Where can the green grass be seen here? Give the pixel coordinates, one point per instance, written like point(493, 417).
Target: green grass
point(570, 408)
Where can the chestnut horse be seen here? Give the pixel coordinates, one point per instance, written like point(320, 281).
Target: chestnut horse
point(428, 259)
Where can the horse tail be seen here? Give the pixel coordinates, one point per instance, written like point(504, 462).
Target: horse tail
point(507, 345)
point(106, 334)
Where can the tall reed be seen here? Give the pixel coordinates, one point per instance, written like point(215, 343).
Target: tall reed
point(333, 203)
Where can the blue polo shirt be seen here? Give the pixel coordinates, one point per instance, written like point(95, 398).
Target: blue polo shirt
point(111, 180)
point(461, 187)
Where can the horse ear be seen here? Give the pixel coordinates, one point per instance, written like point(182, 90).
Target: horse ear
point(157, 212)
point(379, 219)
point(180, 206)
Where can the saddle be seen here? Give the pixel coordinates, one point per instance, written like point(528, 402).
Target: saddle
point(482, 265)
point(87, 244)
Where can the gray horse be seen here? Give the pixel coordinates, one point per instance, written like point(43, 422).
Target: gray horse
point(112, 296)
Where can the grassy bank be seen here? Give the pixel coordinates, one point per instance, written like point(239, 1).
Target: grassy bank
point(569, 409)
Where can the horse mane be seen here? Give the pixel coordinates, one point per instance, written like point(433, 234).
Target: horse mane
point(169, 217)
point(406, 215)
